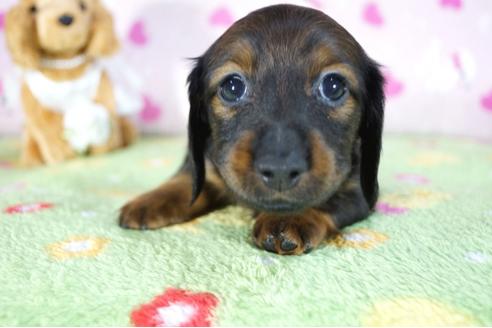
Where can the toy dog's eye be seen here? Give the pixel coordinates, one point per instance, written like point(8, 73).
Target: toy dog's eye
point(83, 6)
point(33, 9)
point(232, 88)
point(333, 87)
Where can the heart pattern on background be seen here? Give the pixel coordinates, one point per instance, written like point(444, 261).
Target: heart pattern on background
point(392, 86)
point(137, 34)
point(221, 17)
point(151, 111)
point(372, 15)
point(2, 20)
point(486, 101)
point(315, 3)
point(454, 4)
point(455, 60)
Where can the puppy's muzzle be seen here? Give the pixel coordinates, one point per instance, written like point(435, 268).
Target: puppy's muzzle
point(280, 158)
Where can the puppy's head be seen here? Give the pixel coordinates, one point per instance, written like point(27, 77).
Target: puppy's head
point(284, 104)
point(58, 28)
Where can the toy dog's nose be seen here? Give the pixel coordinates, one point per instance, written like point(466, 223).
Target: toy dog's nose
point(66, 20)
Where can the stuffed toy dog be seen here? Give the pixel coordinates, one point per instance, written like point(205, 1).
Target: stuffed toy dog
point(71, 104)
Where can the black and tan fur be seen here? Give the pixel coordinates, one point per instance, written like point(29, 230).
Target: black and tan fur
point(281, 51)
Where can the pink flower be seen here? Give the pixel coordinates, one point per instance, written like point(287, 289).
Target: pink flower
point(27, 208)
point(388, 209)
point(178, 308)
point(412, 178)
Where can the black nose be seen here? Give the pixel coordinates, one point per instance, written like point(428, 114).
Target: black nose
point(280, 157)
point(66, 20)
point(281, 174)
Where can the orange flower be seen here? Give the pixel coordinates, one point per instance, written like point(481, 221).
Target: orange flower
point(359, 238)
point(77, 246)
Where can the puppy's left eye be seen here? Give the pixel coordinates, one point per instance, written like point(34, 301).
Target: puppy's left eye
point(333, 87)
point(83, 6)
point(232, 88)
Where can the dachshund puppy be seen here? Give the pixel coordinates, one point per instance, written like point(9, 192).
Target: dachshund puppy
point(286, 117)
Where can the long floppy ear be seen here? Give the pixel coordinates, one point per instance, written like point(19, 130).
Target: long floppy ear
point(20, 31)
point(103, 40)
point(198, 126)
point(370, 132)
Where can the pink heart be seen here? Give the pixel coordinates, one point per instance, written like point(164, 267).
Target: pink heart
point(137, 34)
point(221, 17)
point(392, 86)
point(456, 58)
point(315, 3)
point(372, 15)
point(486, 101)
point(150, 112)
point(454, 4)
point(2, 20)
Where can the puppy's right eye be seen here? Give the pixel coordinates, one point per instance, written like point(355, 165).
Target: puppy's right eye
point(33, 9)
point(232, 88)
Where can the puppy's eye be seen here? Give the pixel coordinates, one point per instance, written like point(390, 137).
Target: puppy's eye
point(232, 88)
point(83, 6)
point(33, 9)
point(333, 87)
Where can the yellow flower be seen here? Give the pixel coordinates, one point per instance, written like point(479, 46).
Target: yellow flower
point(359, 238)
point(415, 198)
point(413, 311)
point(432, 158)
point(157, 162)
point(77, 246)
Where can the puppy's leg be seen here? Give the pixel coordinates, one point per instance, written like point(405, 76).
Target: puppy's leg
point(170, 203)
point(300, 233)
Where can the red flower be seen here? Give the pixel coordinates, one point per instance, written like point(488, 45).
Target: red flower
point(27, 208)
point(176, 307)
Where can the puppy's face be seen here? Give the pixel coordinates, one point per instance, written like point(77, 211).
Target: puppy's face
point(283, 95)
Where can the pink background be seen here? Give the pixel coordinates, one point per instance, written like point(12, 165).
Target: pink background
point(437, 56)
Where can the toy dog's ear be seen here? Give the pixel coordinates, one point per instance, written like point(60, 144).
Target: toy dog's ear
point(103, 40)
point(370, 131)
point(20, 31)
point(198, 126)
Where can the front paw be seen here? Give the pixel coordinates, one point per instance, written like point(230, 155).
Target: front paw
point(148, 212)
point(292, 234)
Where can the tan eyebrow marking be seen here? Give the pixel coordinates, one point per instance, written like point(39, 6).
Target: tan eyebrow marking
point(344, 70)
point(239, 57)
point(222, 71)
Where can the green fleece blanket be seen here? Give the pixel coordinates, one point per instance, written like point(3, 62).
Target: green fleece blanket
point(424, 257)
